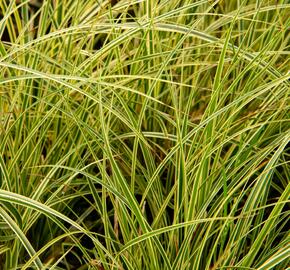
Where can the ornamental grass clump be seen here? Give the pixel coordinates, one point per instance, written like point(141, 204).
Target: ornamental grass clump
point(144, 134)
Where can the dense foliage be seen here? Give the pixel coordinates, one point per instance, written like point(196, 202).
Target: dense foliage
point(143, 134)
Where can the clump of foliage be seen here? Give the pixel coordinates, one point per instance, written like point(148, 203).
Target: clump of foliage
point(141, 134)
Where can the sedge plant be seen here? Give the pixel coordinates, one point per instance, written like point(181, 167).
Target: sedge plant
point(141, 134)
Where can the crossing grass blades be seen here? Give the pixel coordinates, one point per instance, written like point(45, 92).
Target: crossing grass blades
point(141, 134)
